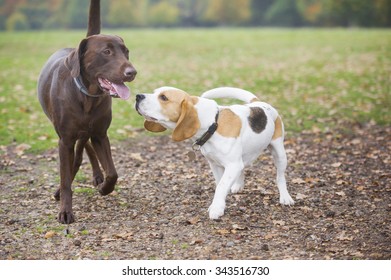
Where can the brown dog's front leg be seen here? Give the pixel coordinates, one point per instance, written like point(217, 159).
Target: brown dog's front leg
point(97, 176)
point(77, 160)
point(66, 151)
point(102, 149)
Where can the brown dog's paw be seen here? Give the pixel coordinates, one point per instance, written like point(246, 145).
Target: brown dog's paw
point(97, 179)
point(108, 185)
point(66, 217)
point(57, 195)
point(105, 189)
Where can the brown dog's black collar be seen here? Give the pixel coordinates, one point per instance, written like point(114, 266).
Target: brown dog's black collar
point(82, 88)
point(207, 135)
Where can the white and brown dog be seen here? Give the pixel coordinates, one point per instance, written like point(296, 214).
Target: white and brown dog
point(230, 137)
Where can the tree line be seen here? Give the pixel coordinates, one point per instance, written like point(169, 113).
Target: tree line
point(72, 14)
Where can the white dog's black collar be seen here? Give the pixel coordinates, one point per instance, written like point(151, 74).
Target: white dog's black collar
point(207, 135)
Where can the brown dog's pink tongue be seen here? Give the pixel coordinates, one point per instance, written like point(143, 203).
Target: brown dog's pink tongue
point(122, 90)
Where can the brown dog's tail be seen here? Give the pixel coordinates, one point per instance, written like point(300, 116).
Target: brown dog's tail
point(94, 18)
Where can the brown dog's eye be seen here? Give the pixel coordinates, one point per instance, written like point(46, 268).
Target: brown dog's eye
point(163, 97)
point(107, 52)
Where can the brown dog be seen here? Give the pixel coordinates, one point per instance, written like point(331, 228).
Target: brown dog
point(75, 89)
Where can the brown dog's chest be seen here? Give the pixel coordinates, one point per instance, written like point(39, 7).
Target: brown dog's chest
point(95, 123)
point(77, 122)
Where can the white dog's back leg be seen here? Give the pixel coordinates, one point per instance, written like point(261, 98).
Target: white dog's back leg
point(280, 161)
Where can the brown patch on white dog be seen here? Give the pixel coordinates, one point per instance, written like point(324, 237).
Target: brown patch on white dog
point(229, 124)
point(278, 128)
point(171, 103)
point(188, 122)
point(153, 126)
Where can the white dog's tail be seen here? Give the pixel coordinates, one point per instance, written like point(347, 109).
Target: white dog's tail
point(230, 92)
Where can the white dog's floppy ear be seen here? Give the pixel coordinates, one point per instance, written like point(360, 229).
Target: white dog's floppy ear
point(188, 122)
point(153, 126)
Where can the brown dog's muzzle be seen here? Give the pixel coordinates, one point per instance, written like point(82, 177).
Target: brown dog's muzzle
point(130, 73)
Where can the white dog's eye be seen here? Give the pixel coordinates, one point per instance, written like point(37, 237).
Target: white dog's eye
point(163, 97)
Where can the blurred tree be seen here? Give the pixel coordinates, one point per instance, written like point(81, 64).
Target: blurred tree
point(346, 12)
point(17, 21)
point(123, 13)
point(228, 12)
point(310, 10)
point(35, 11)
point(164, 13)
point(191, 11)
point(56, 17)
point(75, 13)
point(7, 8)
point(258, 10)
point(383, 12)
point(37, 14)
point(284, 13)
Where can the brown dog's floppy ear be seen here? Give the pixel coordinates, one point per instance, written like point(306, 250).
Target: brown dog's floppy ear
point(153, 126)
point(188, 123)
point(73, 60)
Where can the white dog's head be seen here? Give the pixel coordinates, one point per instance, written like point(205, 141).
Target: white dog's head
point(171, 108)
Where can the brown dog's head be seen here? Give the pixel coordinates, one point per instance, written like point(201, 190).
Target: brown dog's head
point(103, 63)
point(170, 108)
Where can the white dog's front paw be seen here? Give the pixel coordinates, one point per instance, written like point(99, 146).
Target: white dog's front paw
point(216, 210)
point(286, 199)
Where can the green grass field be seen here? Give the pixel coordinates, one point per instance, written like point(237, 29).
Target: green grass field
point(316, 78)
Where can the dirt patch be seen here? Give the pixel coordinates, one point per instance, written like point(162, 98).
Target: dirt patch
point(340, 182)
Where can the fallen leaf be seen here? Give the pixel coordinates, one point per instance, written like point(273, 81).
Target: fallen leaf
point(43, 138)
point(358, 254)
point(279, 223)
point(312, 180)
point(239, 227)
point(19, 150)
point(157, 235)
point(306, 209)
point(196, 241)
point(341, 193)
point(270, 236)
point(108, 239)
point(137, 156)
point(298, 181)
point(193, 220)
point(355, 141)
point(316, 129)
point(341, 182)
point(121, 131)
point(124, 235)
point(343, 237)
point(333, 249)
point(300, 196)
point(50, 234)
point(223, 231)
